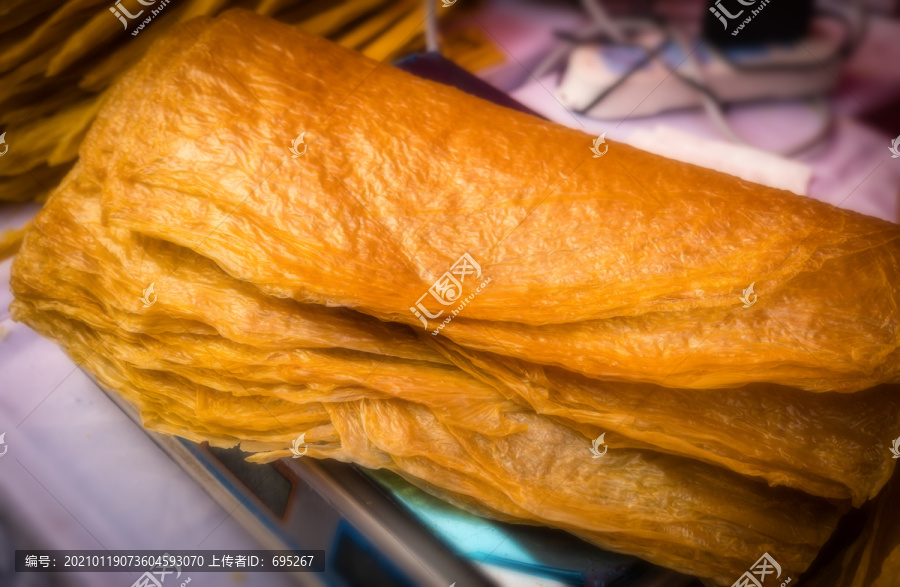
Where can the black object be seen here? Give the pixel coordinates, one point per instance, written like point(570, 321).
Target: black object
point(435, 67)
point(728, 23)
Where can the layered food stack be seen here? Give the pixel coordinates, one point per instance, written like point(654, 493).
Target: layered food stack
point(267, 235)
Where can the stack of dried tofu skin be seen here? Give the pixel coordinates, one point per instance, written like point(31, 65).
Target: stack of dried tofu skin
point(282, 288)
point(215, 359)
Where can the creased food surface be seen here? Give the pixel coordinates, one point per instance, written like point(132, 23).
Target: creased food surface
point(241, 295)
point(423, 417)
point(783, 435)
point(622, 267)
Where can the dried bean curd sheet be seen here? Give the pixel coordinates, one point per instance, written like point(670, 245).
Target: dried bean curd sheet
point(283, 289)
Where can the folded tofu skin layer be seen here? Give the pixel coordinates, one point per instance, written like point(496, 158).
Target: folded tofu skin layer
point(267, 236)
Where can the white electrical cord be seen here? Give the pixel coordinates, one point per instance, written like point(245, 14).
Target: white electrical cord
point(602, 19)
point(431, 35)
point(716, 113)
point(601, 25)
